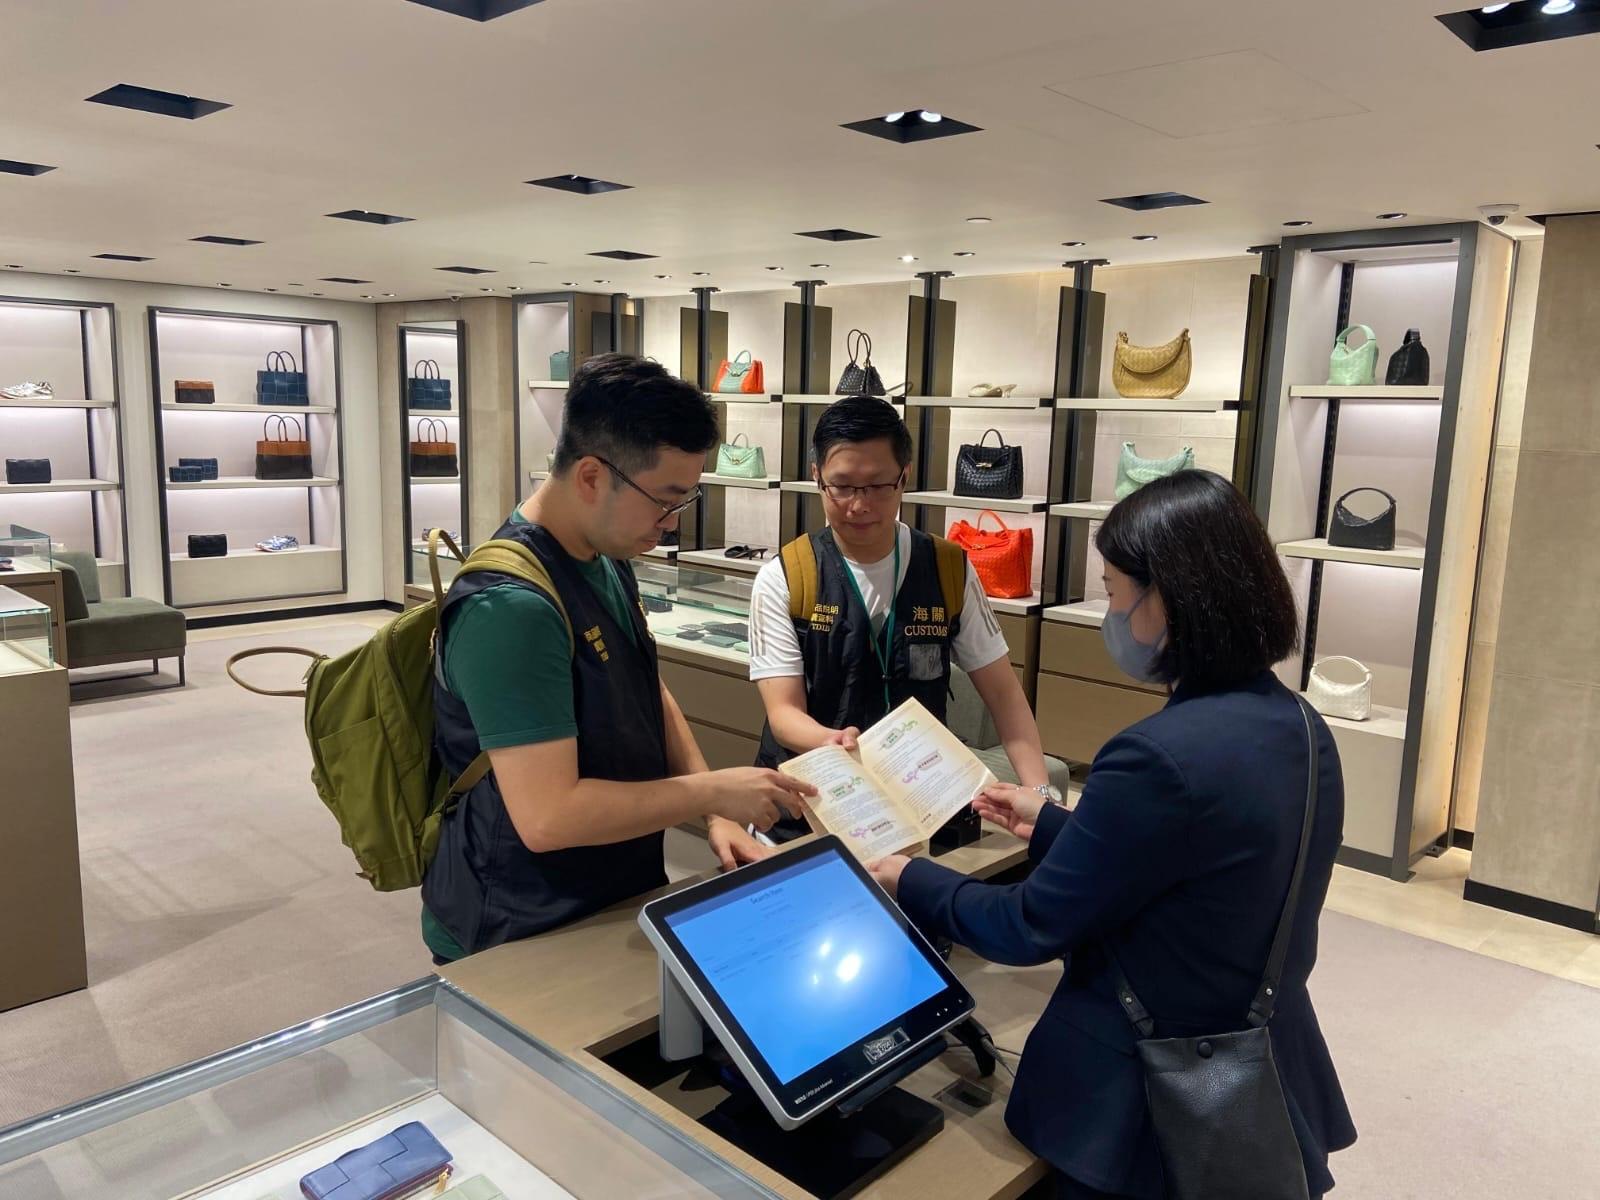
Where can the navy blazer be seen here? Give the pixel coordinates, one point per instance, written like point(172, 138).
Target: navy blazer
point(1178, 856)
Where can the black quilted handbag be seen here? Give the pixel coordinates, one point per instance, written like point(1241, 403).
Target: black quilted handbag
point(1408, 366)
point(208, 545)
point(1362, 533)
point(27, 470)
point(859, 378)
point(989, 472)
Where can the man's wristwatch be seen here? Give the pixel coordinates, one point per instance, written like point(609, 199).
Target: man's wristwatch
point(1051, 793)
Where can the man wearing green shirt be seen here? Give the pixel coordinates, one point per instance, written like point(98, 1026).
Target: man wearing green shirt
point(591, 757)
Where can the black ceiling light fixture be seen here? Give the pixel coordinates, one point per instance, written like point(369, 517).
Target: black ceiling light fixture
point(1295, 224)
point(370, 218)
point(125, 257)
point(478, 10)
point(469, 270)
point(216, 239)
point(913, 125)
point(12, 166)
point(1151, 201)
point(837, 235)
point(152, 100)
point(337, 279)
point(621, 255)
point(1392, 216)
point(1144, 237)
point(964, 253)
point(1074, 245)
point(1497, 26)
point(580, 185)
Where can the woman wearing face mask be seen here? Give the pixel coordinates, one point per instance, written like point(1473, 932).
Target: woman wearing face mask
point(1177, 860)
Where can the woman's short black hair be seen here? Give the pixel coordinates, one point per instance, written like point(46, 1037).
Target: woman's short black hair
point(1230, 611)
point(861, 419)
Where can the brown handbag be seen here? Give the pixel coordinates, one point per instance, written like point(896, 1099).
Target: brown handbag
point(194, 391)
point(1152, 372)
point(279, 456)
point(432, 456)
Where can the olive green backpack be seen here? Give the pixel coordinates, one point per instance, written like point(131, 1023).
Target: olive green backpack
point(369, 719)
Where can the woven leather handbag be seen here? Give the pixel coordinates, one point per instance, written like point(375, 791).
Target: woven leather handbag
point(427, 389)
point(208, 545)
point(989, 472)
point(208, 466)
point(194, 391)
point(741, 462)
point(1002, 558)
point(1134, 472)
point(560, 366)
point(283, 383)
point(859, 377)
point(1354, 368)
point(433, 455)
point(1331, 698)
point(1347, 529)
point(740, 375)
point(27, 470)
point(1152, 372)
point(1409, 366)
point(278, 456)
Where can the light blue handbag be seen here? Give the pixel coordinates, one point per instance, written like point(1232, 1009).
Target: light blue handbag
point(560, 366)
point(741, 462)
point(1354, 368)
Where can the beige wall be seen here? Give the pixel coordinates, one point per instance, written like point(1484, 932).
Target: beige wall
point(1538, 830)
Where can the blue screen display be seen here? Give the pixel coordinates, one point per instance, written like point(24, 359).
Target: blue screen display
point(807, 960)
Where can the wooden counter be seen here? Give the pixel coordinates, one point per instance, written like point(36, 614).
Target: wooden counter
point(591, 988)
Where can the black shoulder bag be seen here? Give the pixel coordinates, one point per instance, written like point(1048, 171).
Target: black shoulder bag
point(1216, 1103)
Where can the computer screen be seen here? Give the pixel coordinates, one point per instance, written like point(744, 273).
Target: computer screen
point(807, 960)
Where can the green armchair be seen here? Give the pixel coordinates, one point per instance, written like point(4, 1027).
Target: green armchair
point(117, 630)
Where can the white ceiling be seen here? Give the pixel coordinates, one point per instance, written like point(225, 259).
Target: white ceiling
point(724, 115)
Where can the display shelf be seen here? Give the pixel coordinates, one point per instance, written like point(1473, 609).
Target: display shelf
point(742, 397)
point(56, 402)
point(538, 476)
point(547, 385)
point(1130, 405)
point(805, 487)
point(253, 553)
point(1085, 612)
point(1020, 403)
point(230, 482)
point(1411, 558)
point(1087, 510)
point(662, 553)
point(823, 399)
point(1020, 606)
point(1385, 722)
point(266, 410)
point(60, 485)
point(1027, 504)
point(436, 479)
point(716, 560)
point(765, 483)
point(441, 414)
point(1328, 391)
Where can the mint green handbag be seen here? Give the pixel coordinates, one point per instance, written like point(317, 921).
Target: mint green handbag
point(1354, 368)
point(741, 462)
point(1134, 472)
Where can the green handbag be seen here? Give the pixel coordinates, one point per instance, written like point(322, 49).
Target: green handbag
point(1134, 472)
point(1354, 368)
point(741, 462)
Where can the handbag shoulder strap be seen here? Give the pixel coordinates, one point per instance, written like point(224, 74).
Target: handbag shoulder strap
point(1342, 658)
point(1266, 997)
point(282, 431)
point(852, 344)
point(1353, 491)
point(1344, 334)
point(989, 512)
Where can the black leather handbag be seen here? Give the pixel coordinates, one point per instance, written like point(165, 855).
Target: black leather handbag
point(208, 545)
point(206, 466)
point(1216, 1103)
point(989, 472)
point(27, 470)
point(1408, 366)
point(859, 378)
point(1362, 533)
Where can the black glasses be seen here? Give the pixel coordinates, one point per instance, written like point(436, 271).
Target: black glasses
point(667, 510)
point(841, 492)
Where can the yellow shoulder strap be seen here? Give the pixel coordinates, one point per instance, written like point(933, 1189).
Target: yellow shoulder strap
point(515, 559)
point(952, 561)
point(800, 568)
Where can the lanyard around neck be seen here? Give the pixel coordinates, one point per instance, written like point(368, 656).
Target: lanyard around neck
point(883, 652)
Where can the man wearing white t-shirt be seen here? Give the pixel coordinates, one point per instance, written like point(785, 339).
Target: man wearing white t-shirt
point(827, 660)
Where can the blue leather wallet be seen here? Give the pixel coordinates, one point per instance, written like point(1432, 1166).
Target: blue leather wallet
point(391, 1167)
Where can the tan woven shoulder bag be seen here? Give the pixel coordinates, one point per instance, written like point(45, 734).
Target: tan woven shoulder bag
point(1152, 372)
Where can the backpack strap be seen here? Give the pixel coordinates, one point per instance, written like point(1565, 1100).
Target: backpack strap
point(952, 560)
point(800, 569)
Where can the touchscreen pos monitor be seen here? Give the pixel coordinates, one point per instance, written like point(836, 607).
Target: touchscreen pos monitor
point(813, 981)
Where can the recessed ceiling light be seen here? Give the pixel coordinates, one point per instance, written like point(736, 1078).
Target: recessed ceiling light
point(774, 268)
point(388, 295)
point(602, 281)
point(224, 285)
point(163, 104)
point(13, 266)
point(537, 262)
point(269, 289)
point(1556, 8)
point(837, 235)
point(979, 220)
point(663, 276)
point(510, 287)
point(1494, 8)
point(581, 185)
point(316, 293)
point(297, 285)
point(932, 118)
point(701, 274)
point(913, 125)
point(568, 283)
point(893, 117)
point(366, 295)
point(486, 289)
point(1394, 216)
point(908, 258)
point(1144, 237)
point(125, 257)
point(12, 167)
point(477, 10)
point(469, 270)
point(70, 271)
point(370, 218)
point(343, 279)
point(1153, 201)
point(1295, 224)
point(825, 266)
point(1073, 245)
point(216, 239)
point(963, 253)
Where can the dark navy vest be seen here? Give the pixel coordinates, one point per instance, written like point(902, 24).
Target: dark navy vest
point(844, 683)
point(484, 885)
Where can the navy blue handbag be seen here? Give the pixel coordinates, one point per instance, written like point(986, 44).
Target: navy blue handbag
point(393, 1166)
point(282, 383)
point(206, 466)
point(426, 390)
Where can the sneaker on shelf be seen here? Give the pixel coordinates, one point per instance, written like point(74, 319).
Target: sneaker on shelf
point(28, 391)
point(279, 543)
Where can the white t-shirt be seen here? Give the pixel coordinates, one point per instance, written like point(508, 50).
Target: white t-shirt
point(775, 646)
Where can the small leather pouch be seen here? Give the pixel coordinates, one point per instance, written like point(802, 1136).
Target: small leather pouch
point(394, 1166)
point(208, 545)
point(194, 391)
point(185, 474)
point(27, 470)
point(207, 466)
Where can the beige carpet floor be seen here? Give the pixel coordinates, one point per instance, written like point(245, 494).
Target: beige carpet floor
point(220, 905)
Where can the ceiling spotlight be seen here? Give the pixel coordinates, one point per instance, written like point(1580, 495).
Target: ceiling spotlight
point(1494, 8)
point(269, 289)
point(979, 220)
point(364, 295)
point(893, 117)
point(820, 266)
point(963, 253)
point(1073, 245)
point(568, 283)
point(316, 293)
point(1144, 237)
point(701, 274)
point(774, 268)
point(510, 287)
point(224, 285)
point(933, 118)
point(1394, 216)
point(13, 266)
point(537, 262)
point(1295, 224)
point(663, 276)
point(599, 281)
point(1556, 8)
point(908, 258)
point(388, 295)
point(71, 271)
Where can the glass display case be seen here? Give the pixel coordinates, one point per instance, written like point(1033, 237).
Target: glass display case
point(249, 1123)
point(27, 640)
point(28, 549)
point(699, 608)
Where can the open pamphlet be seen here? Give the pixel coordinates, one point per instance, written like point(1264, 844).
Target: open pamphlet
point(909, 776)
